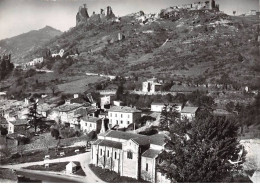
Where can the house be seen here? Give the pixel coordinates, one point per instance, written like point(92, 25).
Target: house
point(72, 167)
point(44, 109)
point(118, 103)
point(19, 125)
point(88, 124)
point(151, 86)
point(105, 101)
point(129, 154)
point(123, 116)
point(61, 53)
point(3, 96)
point(158, 107)
point(67, 111)
point(189, 113)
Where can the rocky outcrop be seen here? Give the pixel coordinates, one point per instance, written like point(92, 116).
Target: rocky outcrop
point(83, 17)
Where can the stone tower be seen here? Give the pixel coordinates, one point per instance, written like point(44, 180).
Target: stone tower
point(212, 4)
point(82, 15)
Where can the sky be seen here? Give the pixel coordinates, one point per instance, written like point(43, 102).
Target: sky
point(21, 16)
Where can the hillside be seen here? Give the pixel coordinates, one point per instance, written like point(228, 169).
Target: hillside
point(20, 45)
point(202, 44)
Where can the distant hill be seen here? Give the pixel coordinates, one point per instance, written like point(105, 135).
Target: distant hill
point(20, 45)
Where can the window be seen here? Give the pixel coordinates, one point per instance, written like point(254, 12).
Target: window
point(100, 152)
point(128, 115)
point(129, 155)
point(146, 168)
point(110, 121)
point(86, 124)
point(90, 125)
point(115, 115)
point(121, 121)
point(108, 153)
point(117, 122)
point(121, 115)
point(110, 114)
point(115, 155)
point(128, 122)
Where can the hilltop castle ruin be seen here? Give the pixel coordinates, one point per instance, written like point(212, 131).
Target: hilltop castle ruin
point(83, 16)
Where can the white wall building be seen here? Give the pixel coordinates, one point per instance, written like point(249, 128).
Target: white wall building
point(151, 85)
point(123, 116)
point(189, 113)
point(158, 107)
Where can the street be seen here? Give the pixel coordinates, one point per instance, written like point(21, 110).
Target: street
point(84, 160)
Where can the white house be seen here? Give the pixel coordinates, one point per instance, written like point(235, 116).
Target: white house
point(105, 100)
point(189, 113)
point(151, 85)
point(18, 125)
point(61, 53)
point(118, 103)
point(88, 124)
point(72, 167)
point(158, 107)
point(123, 116)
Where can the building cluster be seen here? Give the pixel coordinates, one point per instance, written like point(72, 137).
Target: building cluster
point(207, 5)
point(34, 62)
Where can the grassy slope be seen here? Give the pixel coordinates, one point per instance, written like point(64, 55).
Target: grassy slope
point(194, 47)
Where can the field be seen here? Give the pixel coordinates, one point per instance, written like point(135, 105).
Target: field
point(79, 86)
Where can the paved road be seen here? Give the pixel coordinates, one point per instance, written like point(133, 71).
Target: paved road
point(84, 160)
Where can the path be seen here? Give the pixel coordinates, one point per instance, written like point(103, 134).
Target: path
point(84, 160)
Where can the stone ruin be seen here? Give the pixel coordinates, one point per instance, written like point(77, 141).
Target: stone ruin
point(173, 11)
point(83, 16)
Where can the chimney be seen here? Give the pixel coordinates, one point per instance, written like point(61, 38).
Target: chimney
point(84, 5)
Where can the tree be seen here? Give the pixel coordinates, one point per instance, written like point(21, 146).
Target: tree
point(120, 91)
point(4, 131)
point(207, 150)
point(35, 119)
point(169, 116)
point(55, 133)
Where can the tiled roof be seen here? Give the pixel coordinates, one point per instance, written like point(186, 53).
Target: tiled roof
point(151, 153)
point(44, 107)
point(161, 103)
point(122, 135)
point(189, 110)
point(90, 119)
point(68, 107)
point(113, 144)
point(157, 139)
point(97, 142)
point(123, 109)
point(141, 140)
point(221, 112)
point(19, 122)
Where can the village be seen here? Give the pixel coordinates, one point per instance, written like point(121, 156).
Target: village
point(123, 138)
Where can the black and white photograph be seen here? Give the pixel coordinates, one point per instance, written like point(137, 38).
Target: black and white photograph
point(129, 91)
